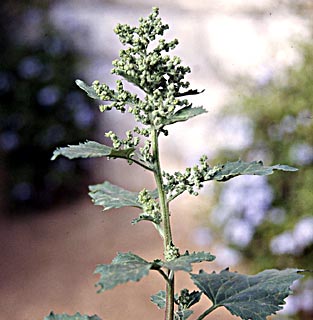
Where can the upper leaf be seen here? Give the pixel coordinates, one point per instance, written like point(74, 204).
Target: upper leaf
point(88, 89)
point(76, 316)
point(249, 297)
point(184, 114)
point(111, 196)
point(124, 267)
point(230, 170)
point(184, 261)
point(91, 149)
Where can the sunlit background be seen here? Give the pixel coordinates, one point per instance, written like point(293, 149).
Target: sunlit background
point(255, 61)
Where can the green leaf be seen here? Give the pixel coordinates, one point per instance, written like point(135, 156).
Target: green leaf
point(184, 114)
point(159, 299)
point(91, 149)
point(183, 314)
point(184, 261)
point(111, 196)
point(249, 297)
point(230, 170)
point(88, 89)
point(124, 267)
point(76, 316)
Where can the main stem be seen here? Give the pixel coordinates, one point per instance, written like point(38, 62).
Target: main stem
point(167, 240)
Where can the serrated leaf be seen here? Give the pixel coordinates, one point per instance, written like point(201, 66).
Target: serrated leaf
point(76, 316)
point(111, 196)
point(182, 314)
point(184, 261)
point(91, 149)
point(159, 299)
point(124, 267)
point(88, 89)
point(230, 170)
point(249, 297)
point(184, 114)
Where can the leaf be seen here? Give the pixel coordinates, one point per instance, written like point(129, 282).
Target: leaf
point(88, 89)
point(184, 114)
point(249, 297)
point(76, 316)
point(230, 170)
point(111, 196)
point(183, 314)
point(184, 262)
point(91, 149)
point(124, 267)
point(159, 299)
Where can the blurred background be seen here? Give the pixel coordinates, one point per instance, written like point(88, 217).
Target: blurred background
point(255, 61)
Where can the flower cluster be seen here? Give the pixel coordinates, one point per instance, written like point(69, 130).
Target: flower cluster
point(145, 152)
point(190, 180)
point(143, 64)
point(187, 299)
point(149, 70)
point(150, 206)
point(129, 142)
point(172, 252)
point(140, 37)
point(118, 99)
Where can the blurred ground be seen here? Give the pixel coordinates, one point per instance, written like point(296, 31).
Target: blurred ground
point(47, 263)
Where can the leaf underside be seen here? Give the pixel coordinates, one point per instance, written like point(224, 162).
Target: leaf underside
point(124, 267)
point(88, 89)
point(249, 297)
point(184, 261)
point(76, 316)
point(91, 149)
point(111, 196)
point(230, 170)
point(184, 114)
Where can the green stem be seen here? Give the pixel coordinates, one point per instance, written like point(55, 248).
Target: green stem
point(167, 239)
point(163, 274)
point(140, 163)
point(207, 312)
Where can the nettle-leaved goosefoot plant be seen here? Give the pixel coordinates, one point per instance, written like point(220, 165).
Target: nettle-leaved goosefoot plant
point(146, 64)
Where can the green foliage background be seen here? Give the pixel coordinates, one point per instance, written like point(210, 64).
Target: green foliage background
point(282, 124)
point(40, 107)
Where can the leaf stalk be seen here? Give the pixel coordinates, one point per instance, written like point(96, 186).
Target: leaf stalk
point(207, 312)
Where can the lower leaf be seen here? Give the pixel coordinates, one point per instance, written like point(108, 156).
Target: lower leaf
point(124, 267)
point(249, 297)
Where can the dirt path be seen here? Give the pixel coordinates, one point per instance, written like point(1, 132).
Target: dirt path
point(47, 263)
